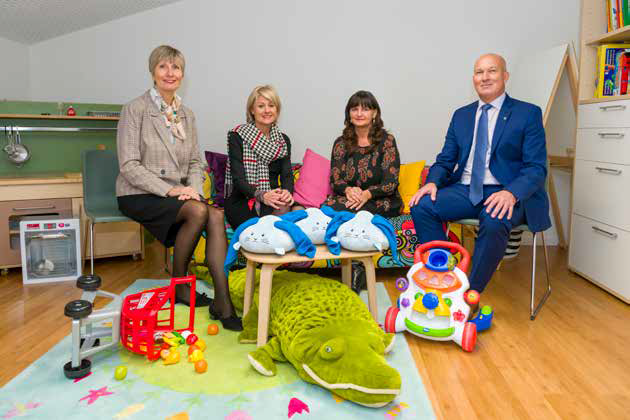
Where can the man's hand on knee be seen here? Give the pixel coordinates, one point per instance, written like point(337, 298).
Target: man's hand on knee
point(429, 188)
point(500, 203)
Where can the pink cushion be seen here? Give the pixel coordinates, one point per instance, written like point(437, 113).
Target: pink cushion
point(313, 185)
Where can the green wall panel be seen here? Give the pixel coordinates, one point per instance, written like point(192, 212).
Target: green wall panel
point(54, 151)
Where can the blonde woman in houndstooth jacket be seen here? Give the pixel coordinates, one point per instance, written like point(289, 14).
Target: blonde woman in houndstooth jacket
point(258, 177)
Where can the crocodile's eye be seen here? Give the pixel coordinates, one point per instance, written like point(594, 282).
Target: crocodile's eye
point(333, 349)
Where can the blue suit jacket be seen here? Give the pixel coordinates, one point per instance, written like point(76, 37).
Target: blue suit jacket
point(518, 157)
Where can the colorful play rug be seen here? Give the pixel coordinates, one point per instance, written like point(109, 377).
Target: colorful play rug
point(230, 389)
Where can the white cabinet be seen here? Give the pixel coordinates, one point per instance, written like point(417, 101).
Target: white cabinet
point(598, 252)
point(600, 230)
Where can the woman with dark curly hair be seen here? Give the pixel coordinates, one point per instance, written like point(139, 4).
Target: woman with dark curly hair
point(365, 162)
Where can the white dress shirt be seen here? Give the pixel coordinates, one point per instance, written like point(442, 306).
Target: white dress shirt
point(493, 114)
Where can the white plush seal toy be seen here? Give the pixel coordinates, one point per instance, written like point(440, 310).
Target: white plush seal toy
point(268, 235)
point(362, 231)
point(312, 221)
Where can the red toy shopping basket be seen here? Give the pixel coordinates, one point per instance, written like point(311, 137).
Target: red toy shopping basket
point(147, 315)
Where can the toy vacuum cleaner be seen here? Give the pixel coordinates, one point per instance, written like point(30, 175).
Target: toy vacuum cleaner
point(435, 300)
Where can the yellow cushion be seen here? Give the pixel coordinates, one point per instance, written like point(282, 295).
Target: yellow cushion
point(409, 181)
point(207, 186)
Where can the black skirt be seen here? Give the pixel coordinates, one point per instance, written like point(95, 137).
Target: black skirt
point(157, 214)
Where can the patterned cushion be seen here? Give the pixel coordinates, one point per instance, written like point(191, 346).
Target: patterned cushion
point(403, 226)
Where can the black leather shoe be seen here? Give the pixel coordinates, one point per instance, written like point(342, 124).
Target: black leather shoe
point(233, 322)
point(359, 280)
point(201, 299)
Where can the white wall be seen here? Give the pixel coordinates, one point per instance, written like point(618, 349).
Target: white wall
point(415, 56)
point(14, 76)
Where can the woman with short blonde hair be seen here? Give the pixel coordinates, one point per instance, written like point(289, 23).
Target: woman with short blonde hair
point(267, 92)
point(161, 178)
point(258, 176)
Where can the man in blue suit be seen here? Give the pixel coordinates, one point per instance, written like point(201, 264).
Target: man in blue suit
point(492, 168)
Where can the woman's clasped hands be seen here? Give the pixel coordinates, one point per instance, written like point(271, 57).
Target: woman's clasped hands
point(356, 197)
point(184, 193)
point(277, 198)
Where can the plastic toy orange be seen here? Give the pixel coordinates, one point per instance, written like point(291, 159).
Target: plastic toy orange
point(201, 366)
point(191, 349)
point(164, 353)
point(213, 329)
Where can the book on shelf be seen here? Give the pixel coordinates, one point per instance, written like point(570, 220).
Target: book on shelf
point(617, 14)
point(613, 62)
point(625, 12)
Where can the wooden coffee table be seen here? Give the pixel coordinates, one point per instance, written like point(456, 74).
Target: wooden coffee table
point(271, 261)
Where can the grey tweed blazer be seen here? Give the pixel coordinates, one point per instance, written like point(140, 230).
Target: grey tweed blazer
point(149, 163)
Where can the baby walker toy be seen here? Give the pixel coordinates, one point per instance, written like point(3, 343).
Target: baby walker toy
point(435, 299)
point(138, 322)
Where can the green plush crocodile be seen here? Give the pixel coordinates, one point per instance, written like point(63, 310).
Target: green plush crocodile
point(327, 333)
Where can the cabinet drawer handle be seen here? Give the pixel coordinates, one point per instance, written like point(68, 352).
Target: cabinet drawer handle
point(609, 171)
point(605, 232)
point(613, 107)
point(50, 236)
point(611, 135)
point(33, 208)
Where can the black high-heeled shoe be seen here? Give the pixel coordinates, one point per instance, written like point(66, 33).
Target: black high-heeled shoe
point(233, 322)
point(358, 281)
point(201, 299)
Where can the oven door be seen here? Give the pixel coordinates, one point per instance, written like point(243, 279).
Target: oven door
point(50, 256)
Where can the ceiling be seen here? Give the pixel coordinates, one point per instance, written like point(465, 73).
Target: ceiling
point(32, 21)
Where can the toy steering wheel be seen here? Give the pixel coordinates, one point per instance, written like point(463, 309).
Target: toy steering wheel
point(418, 256)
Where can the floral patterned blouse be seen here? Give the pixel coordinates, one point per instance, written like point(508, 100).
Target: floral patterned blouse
point(375, 170)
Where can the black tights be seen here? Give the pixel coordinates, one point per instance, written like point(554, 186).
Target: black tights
point(195, 216)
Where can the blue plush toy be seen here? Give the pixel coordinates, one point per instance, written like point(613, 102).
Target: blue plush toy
point(268, 235)
point(363, 231)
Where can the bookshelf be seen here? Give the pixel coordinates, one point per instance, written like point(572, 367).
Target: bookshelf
point(593, 34)
point(600, 222)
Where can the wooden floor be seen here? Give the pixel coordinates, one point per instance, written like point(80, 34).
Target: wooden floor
point(573, 361)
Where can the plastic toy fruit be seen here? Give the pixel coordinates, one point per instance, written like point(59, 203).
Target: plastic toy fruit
point(164, 353)
point(171, 341)
point(172, 358)
point(191, 339)
point(201, 366)
point(201, 344)
point(120, 373)
point(178, 337)
point(191, 349)
point(213, 329)
point(195, 356)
